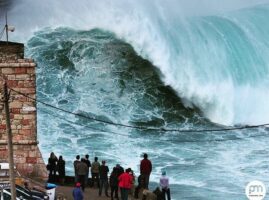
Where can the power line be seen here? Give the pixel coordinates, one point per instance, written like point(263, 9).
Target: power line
point(141, 127)
point(155, 138)
point(87, 126)
point(106, 131)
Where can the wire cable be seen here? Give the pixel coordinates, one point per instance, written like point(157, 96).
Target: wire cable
point(98, 129)
point(157, 138)
point(141, 127)
point(87, 126)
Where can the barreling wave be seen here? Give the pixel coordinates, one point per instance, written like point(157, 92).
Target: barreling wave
point(99, 75)
point(218, 62)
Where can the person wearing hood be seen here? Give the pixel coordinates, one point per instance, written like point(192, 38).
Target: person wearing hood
point(164, 184)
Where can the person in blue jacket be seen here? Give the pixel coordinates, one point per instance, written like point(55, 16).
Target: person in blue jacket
point(77, 192)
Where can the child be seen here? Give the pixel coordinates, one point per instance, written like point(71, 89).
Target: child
point(77, 192)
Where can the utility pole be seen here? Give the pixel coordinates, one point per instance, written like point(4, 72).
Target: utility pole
point(10, 146)
point(6, 29)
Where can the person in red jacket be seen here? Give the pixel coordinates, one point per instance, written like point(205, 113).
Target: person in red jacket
point(145, 169)
point(125, 183)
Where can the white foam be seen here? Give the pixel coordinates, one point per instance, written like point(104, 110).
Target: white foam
point(197, 69)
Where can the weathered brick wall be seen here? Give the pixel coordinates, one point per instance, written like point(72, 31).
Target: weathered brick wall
point(20, 76)
point(11, 51)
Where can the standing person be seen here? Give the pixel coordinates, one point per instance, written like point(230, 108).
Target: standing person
point(164, 184)
point(82, 170)
point(113, 181)
point(52, 162)
point(88, 163)
point(125, 184)
point(77, 192)
point(145, 169)
point(61, 169)
point(95, 171)
point(75, 167)
point(119, 171)
point(103, 170)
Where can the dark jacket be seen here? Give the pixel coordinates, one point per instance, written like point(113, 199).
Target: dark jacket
point(76, 162)
point(113, 181)
point(82, 168)
point(119, 170)
point(141, 181)
point(52, 162)
point(61, 168)
point(88, 163)
point(145, 167)
point(103, 170)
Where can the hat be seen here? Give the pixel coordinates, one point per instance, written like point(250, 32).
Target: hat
point(77, 184)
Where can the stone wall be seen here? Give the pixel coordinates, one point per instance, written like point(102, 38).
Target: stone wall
point(20, 76)
point(11, 51)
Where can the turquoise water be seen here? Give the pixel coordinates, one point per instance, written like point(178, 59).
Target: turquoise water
point(147, 65)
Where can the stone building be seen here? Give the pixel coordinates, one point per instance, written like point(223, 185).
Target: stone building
point(20, 76)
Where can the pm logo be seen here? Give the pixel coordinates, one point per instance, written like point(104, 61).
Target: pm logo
point(255, 190)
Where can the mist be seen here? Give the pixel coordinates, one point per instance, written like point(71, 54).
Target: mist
point(29, 16)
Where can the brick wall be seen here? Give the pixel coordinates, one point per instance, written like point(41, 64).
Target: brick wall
point(20, 76)
point(11, 51)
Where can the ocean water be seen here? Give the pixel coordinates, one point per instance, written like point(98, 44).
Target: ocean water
point(157, 65)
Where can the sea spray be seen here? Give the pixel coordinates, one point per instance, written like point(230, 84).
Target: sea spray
point(196, 68)
point(209, 60)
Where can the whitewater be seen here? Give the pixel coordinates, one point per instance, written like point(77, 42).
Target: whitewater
point(174, 65)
